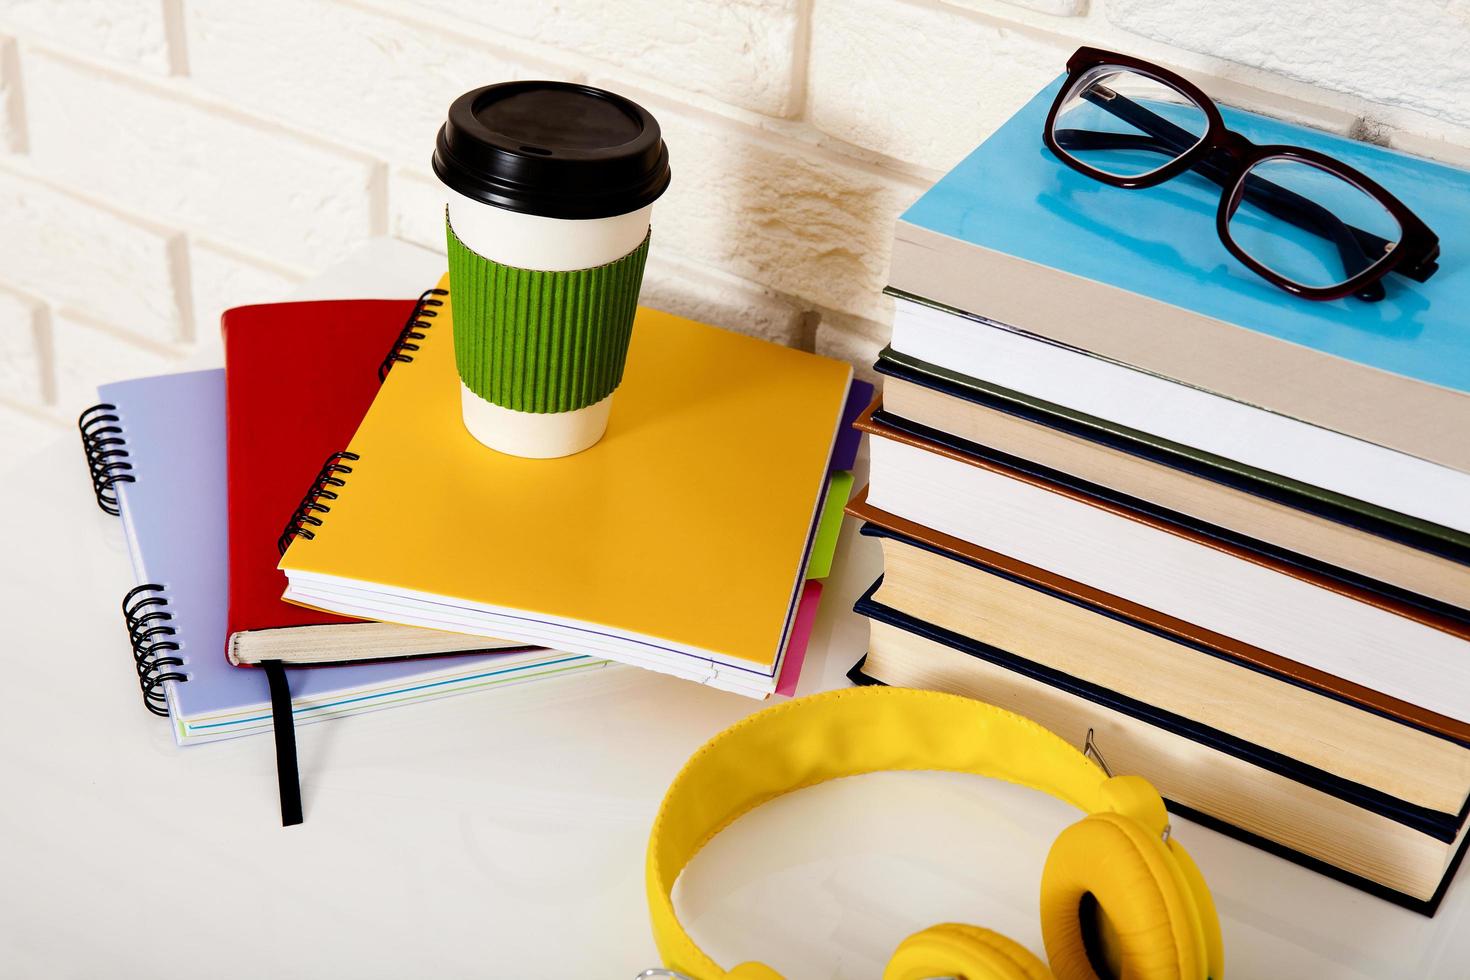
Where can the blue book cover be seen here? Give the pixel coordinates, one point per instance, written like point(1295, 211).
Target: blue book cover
point(174, 511)
point(1012, 196)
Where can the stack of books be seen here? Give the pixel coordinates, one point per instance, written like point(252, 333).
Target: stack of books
point(1129, 489)
point(691, 540)
point(205, 469)
point(317, 508)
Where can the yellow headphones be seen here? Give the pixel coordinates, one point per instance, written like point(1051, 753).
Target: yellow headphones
point(1119, 896)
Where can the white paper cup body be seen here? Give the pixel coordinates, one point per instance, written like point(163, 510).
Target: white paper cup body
point(528, 241)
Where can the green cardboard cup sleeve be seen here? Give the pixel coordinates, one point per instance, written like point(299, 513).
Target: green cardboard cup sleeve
point(540, 351)
point(543, 342)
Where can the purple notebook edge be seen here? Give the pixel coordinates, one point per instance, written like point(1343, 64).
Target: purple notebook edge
point(845, 449)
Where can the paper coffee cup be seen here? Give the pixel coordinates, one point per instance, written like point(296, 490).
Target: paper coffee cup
point(549, 190)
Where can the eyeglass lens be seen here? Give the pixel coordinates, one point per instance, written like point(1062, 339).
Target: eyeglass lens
point(1308, 224)
point(1123, 123)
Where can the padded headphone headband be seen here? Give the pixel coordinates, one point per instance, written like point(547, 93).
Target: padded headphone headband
point(852, 732)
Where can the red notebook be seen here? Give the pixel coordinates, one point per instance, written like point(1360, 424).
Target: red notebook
point(299, 377)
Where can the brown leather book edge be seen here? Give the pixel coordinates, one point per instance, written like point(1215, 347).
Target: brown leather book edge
point(867, 424)
point(1228, 647)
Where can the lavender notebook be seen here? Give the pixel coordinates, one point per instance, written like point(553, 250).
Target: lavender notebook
point(156, 447)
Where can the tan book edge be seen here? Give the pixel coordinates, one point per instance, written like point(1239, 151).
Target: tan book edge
point(1194, 775)
point(1304, 533)
point(1453, 627)
point(1393, 707)
point(1378, 406)
point(1406, 763)
point(327, 643)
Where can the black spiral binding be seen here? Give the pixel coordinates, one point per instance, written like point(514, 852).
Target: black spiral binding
point(304, 518)
point(404, 347)
point(145, 610)
point(107, 453)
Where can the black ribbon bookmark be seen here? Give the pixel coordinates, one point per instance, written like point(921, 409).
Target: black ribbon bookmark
point(287, 776)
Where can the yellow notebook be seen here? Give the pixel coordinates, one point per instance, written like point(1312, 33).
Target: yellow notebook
point(678, 542)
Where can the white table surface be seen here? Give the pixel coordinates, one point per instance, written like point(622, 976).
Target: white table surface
point(502, 834)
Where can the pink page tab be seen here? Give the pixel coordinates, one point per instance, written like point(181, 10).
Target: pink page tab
point(801, 633)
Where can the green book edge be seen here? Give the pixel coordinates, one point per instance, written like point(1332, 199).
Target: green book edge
point(1175, 449)
point(829, 525)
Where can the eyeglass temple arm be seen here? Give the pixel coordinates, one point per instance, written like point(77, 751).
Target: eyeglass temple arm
point(1358, 249)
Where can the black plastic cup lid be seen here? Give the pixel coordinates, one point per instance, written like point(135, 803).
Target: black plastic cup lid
point(552, 149)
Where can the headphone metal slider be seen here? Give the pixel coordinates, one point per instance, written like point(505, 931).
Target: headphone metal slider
point(1090, 750)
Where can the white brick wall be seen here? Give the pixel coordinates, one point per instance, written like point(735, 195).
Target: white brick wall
point(416, 206)
point(743, 52)
point(79, 253)
point(1410, 53)
point(12, 101)
point(970, 71)
point(383, 85)
point(196, 165)
point(88, 351)
point(803, 221)
point(161, 160)
point(220, 278)
point(131, 33)
point(23, 340)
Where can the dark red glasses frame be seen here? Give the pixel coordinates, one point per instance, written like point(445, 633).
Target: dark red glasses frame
point(1225, 157)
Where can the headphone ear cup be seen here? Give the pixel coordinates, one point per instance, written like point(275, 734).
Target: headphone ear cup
point(752, 971)
point(1204, 905)
point(1147, 902)
point(958, 950)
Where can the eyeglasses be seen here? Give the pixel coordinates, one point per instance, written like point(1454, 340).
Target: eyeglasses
point(1301, 220)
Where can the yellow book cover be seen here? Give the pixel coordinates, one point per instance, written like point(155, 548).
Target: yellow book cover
point(678, 542)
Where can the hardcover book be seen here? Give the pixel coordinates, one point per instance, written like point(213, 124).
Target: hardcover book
point(1397, 644)
point(1296, 724)
point(1307, 824)
point(1140, 277)
point(1420, 490)
point(1313, 524)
